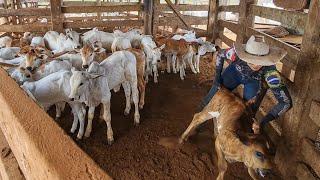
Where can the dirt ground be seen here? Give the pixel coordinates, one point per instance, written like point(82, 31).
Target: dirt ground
point(169, 108)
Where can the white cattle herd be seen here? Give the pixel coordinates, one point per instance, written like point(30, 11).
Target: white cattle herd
point(78, 69)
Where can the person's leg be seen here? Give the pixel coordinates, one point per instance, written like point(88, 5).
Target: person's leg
point(230, 80)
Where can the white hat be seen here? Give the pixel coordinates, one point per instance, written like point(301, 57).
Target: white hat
point(258, 52)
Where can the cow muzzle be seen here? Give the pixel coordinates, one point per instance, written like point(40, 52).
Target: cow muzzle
point(85, 66)
point(263, 172)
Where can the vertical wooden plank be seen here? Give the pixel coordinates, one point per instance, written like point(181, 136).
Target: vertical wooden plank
point(148, 12)
point(212, 27)
point(57, 22)
point(245, 20)
point(156, 14)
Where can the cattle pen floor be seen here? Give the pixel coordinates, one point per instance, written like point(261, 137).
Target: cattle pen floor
point(169, 108)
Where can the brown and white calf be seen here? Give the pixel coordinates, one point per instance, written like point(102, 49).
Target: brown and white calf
point(226, 109)
point(92, 52)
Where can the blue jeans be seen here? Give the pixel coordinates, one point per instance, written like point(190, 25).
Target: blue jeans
point(231, 79)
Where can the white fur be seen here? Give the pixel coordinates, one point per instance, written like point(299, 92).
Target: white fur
point(60, 42)
point(5, 41)
point(95, 35)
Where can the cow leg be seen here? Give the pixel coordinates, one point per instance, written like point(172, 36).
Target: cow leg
point(181, 68)
point(222, 163)
point(135, 98)
point(192, 65)
point(174, 59)
point(197, 63)
point(90, 118)
point(107, 118)
point(127, 92)
point(142, 89)
point(155, 73)
point(198, 119)
point(75, 122)
point(59, 108)
point(80, 111)
point(168, 63)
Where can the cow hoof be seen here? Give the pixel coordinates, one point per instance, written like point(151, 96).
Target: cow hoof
point(110, 141)
point(126, 113)
point(57, 118)
point(79, 137)
point(86, 135)
point(141, 106)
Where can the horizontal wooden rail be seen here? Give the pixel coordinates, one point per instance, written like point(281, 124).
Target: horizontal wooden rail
point(97, 9)
point(92, 24)
point(225, 39)
point(230, 8)
point(164, 7)
point(93, 3)
point(191, 20)
point(25, 12)
point(96, 17)
point(232, 26)
point(25, 28)
point(293, 19)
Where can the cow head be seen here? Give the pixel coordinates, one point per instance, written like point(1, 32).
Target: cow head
point(30, 56)
point(87, 55)
point(206, 47)
point(156, 55)
point(27, 36)
point(257, 155)
point(42, 52)
point(79, 83)
point(73, 38)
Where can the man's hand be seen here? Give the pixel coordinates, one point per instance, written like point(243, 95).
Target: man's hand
point(256, 127)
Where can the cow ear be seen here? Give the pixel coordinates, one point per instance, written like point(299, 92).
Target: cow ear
point(94, 76)
point(161, 47)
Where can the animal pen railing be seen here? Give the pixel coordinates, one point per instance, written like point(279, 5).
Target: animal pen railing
point(300, 71)
point(107, 15)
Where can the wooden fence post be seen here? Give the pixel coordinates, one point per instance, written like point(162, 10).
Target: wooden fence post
point(156, 13)
point(148, 12)
point(57, 22)
point(246, 20)
point(212, 27)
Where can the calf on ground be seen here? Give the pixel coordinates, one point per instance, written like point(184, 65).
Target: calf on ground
point(226, 109)
point(5, 41)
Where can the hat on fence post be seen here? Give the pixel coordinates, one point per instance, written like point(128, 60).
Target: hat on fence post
point(257, 51)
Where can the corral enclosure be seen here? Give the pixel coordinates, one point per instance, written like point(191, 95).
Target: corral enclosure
point(31, 133)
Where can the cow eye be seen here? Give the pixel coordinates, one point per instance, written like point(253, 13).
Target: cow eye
point(81, 84)
point(259, 155)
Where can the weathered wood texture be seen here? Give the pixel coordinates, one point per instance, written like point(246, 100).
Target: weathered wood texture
point(95, 9)
point(213, 20)
point(25, 12)
point(56, 19)
point(229, 8)
point(246, 20)
point(92, 24)
point(293, 19)
point(148, 12)
point(164, 7)
point(25, 28)
point(179, 15)
point(232, 26)
point(156, 13)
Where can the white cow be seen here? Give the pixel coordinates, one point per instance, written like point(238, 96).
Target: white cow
point(118, 69)
point(94, 35)
point(134, 35)
point(60, 42)
point(153, 54)
point(120, 43)
point(37, 41)
point(190, 36)
point(5, 41)
point(53, 89)
point(202, 50)
point(9, 52)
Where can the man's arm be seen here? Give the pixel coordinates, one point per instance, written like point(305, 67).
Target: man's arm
point(280, 92)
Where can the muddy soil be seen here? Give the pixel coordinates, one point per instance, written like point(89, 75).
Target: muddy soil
point(169, 108)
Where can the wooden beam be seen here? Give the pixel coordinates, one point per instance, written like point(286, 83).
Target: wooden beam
point(156, 13)
point(229, 8)
point(293, 19)
point(92, 24)
point(192, 20)
point(184, 7)
point(212, 26)
point(25, 28)
point(96, 9)
point(56, 18)
point(147, 13)
point(245, 20)
point(25, 12)
point(92, 3)
point(232, 26)
point(172, 6)
point(225, 39)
